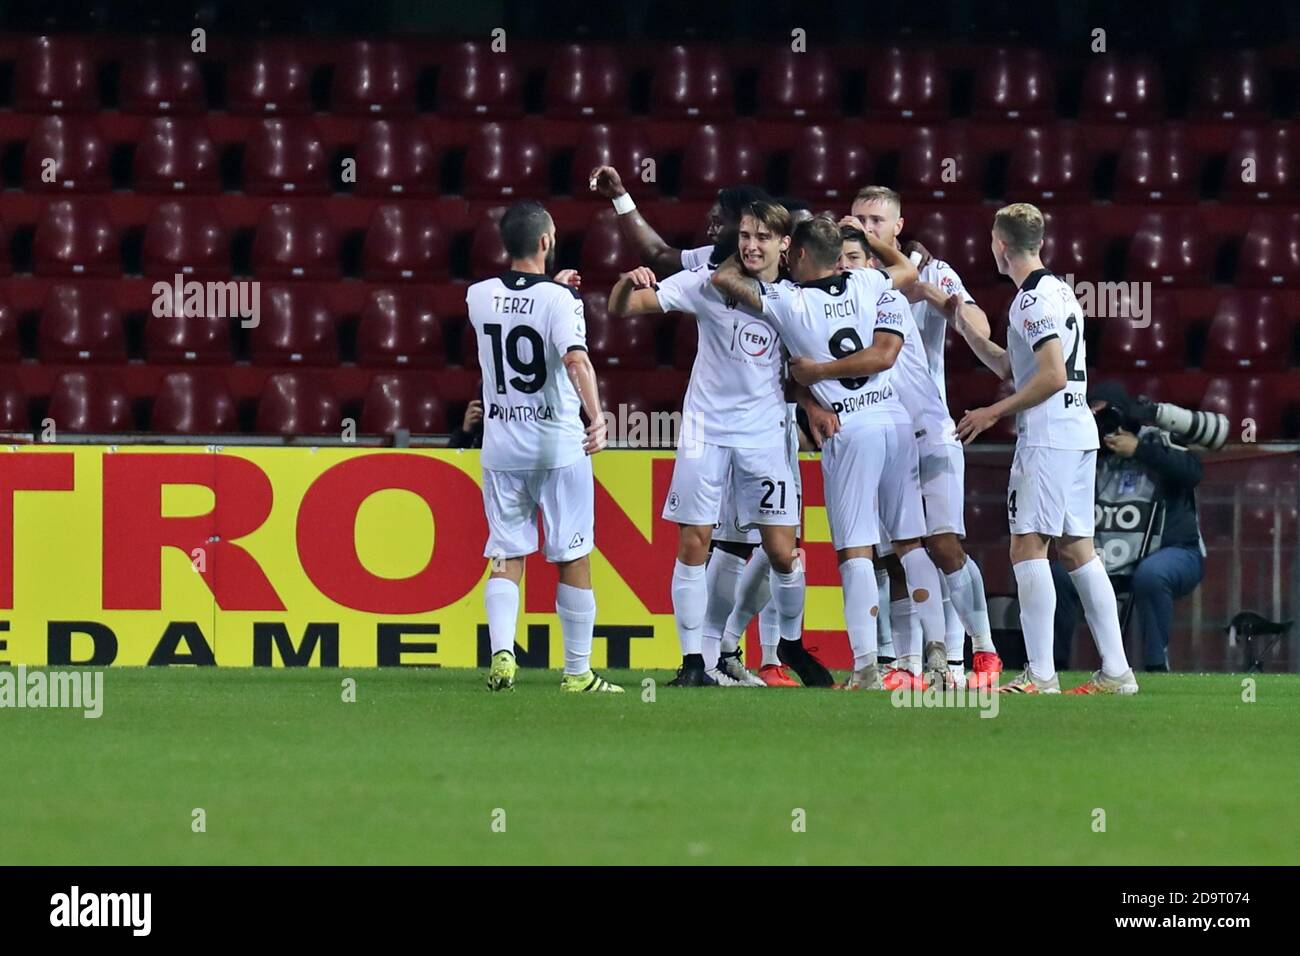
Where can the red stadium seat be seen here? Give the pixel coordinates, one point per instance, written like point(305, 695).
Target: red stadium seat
point(55, 74)
point(293, 403)
point(80, 323)
point(504, 162)
point(162, 76)
point(396, 158)
point(14, 416)
point(176, 156)
point(193, 403)
point(1270, 251)
point(6, 267)
point(285, 156)
point(1169, 248)
point(907, 84)
point(186, 238)
point(402, 401)
point(80, 157)
point(1016, 85)
point(626, 342)
point(1157, 165)
point(373, 79)
point(799, 86)
point(90, 402)
point(398, 327)
point(1049, 162)
point(1156, 347)
point(10, 343)
point(604, 253)
point(1124, 90)
point(193, 339)
point(692, 82)
point(271, 79)
point(1070, 243)
point(474, 81)
point(828, 166)
point(469, 347)
point(961, 237)
point(487, 256)
point(75, 237)
point(404, 242)
point(296, 327)
point(295, 241)
point(938, 163)
point(1249, 331)
point(602, 144)
point(1242, 397)
point(718, 156)
point(1232, 86)
point(585, 82)
point(1263, 165)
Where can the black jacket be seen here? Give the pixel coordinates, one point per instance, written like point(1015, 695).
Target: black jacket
point(1176, 472)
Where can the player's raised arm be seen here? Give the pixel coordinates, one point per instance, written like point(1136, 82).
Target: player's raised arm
point(650, 247)
point(634, 294)
point(583, 376)
point(732, 282)
point(897, 266)
point(1048, 379)
point(973, 325)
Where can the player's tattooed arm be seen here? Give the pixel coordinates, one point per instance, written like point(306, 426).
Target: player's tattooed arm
point(650, 247)
point(583, 376)
point(880, 355)
point(731, 281)
point(634, 294)
point(897, 266)
point(1047, 380)
point(973, 325)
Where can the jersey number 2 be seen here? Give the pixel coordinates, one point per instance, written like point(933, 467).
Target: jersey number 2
point(1072, 373)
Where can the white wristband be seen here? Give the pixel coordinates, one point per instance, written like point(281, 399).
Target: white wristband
point(623, 204)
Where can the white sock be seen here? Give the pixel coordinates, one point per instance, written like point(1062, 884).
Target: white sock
point(1097, 595)
point(861, 608)
point(577, 610)
point(1037, 596)
point(690, 597)
point(788, 595)
point(884, 626)
point(922, 575)
point(962, 585)
point(721, 576)
point(907, 639)
point(753, 591)
point(954, 633)
point(501, 596)
point(769, 632)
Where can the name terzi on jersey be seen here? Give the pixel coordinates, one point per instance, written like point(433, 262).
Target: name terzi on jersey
point(512, 304)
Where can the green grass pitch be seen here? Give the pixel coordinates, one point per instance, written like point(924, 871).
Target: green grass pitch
point(414, 771)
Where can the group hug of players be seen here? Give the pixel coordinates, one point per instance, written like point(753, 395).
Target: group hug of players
point(812, 329)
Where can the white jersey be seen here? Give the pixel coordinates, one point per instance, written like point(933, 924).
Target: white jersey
point(735, 397)
point(833, 317)
point(931, 321)
point(911, 372)
point(525, 323)
point(1044, 309)
point(694, 258)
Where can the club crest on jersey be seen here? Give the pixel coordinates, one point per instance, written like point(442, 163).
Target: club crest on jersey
point(756, 339)
point(1026, 300)
point(673, 501)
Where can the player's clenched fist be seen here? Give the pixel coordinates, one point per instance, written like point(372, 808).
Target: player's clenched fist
point(804, 370)
point(569, 277)
point(606, 181)
point(641, 277)
point(597, 436)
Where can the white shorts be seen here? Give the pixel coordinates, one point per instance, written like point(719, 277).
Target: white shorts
point(943, 487)
point(872, 485)
point(759, 479)
point(727, 527)
point(564, 496)
point(1052, 491)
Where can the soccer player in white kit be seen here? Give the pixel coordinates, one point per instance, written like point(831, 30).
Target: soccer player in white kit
point(1051, 493)
point(869, 464)
point(943, 464)
point(734, 426)
point(537, 376)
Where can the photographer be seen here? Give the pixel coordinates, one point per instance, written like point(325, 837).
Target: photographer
point(1146, 486)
